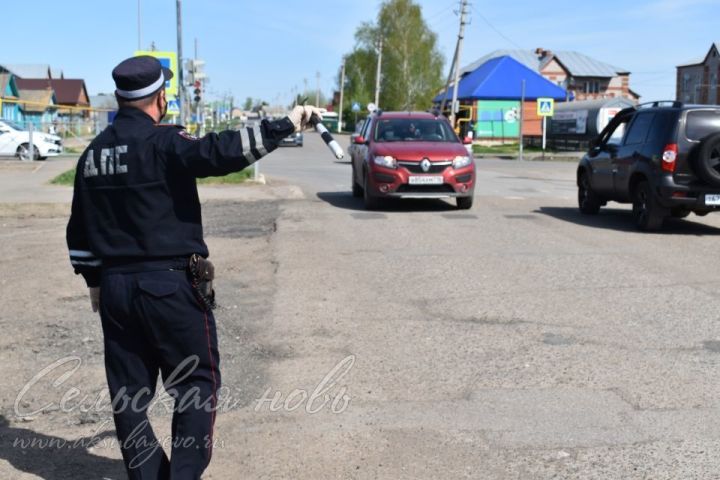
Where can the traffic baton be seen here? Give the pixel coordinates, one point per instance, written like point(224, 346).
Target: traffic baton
point(333, 145)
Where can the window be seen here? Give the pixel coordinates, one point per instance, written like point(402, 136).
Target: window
point(617, 135)
point(702, 123)
point(592, 86)
point(413, 130)
point(639, 128)
point(365, 126)
point(613, 133)
point(662, 129)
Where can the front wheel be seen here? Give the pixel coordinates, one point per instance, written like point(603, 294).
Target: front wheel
point(648, 214)
point(371, 201)
point(23, 152)
point(588, 201)
point(464, 203)
point(357, 190)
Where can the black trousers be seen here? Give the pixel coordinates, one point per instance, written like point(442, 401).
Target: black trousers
point(153, 323)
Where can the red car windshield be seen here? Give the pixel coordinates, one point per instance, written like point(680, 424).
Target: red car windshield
point(413, 130)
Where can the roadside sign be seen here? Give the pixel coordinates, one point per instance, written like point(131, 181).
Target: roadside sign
point(167, 60)
point(355, 107)
point(173, 107)
point(545, 107)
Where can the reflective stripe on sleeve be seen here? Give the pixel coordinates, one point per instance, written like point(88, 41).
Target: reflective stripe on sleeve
point(258, 142)
point(88, 263)
point(81, 254)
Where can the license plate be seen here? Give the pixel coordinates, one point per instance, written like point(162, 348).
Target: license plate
point(426, 180)
point(712, 199)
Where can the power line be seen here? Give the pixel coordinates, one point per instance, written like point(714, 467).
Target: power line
point(489, 24)
point(441, 12)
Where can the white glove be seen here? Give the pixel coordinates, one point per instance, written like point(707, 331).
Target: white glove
point(300, 116)
point(94, 298)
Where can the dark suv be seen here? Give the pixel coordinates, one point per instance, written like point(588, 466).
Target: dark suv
point(663, 157)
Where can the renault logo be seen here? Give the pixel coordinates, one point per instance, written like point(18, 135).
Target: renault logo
point(425, 165)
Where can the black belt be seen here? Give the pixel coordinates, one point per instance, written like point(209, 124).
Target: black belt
point(135, 265)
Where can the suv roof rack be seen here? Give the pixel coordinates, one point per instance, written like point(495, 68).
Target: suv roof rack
point(660, 104)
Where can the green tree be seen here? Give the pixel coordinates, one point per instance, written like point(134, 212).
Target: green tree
point(412, 65)
point(247, 106)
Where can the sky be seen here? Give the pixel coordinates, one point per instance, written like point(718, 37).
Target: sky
point(267, 49)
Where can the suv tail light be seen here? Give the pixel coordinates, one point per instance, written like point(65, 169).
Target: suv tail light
point(669, 156)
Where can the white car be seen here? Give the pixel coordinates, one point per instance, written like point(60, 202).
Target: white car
point(15, 141)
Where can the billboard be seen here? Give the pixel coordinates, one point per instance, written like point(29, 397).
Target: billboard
point(167, 60)
point(497, 119)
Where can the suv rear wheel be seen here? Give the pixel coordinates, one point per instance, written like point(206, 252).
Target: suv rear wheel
point(588, 201)
point(648, 214)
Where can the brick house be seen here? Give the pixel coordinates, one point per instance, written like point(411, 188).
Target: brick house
point(697, 81)
point(583, 77)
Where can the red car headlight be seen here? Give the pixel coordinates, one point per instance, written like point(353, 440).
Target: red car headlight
point(461, 161)
point(386, 161)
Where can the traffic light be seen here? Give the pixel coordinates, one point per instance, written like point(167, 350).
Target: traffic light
point(197, 91)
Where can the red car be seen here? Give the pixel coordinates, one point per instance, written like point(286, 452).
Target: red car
point(410, 155)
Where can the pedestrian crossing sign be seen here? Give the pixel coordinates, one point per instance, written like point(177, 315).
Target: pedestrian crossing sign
point(545, 107)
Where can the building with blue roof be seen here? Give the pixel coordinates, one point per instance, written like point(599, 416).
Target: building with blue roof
point(490, 99)
point(584, 77)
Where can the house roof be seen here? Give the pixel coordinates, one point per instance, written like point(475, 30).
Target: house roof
point(67, 91)
point(501, 78)
point(6, 78)
point(577, 64)
point(28, 70)
point(42, 99)
point(701, 60)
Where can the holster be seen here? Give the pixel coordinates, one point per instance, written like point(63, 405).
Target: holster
point(202, 273)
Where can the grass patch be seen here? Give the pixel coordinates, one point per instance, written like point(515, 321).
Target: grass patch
point(233, 178)
point(68, 178)
point(512, 148)
point(65, 178)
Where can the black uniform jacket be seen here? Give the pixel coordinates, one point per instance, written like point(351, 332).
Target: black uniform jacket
point(135, 193)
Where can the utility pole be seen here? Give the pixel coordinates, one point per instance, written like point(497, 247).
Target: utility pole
point(181, 79)
point(522, 118)
point(139, 29)
point(377, 77)
point(198, 109)
point(342, 91)
point(447, 83)
point(461, 36)
point(317, 93)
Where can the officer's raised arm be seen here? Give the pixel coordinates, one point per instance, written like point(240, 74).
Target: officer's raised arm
point(218, 154)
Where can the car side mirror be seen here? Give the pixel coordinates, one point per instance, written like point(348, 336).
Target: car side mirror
point(467, 141)
point(359, 140)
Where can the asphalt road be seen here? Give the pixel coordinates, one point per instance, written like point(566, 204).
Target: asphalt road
point(515, 340)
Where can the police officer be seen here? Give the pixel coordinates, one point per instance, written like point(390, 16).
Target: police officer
point(134, 227)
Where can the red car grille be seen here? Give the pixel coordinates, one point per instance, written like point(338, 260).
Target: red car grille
point(414, 167)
